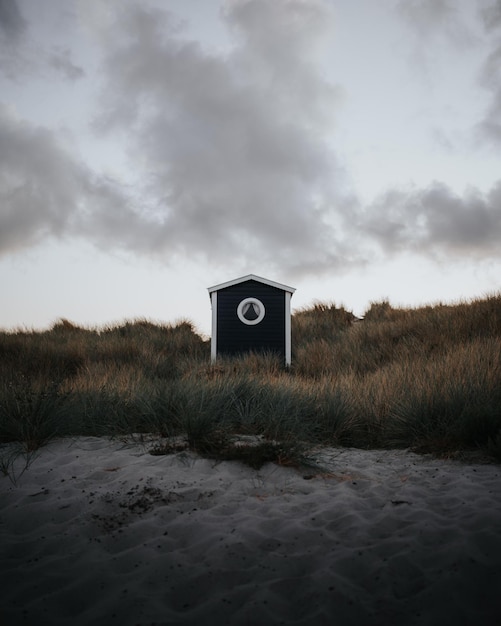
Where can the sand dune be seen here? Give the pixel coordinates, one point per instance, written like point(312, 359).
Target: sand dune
point(96, 532)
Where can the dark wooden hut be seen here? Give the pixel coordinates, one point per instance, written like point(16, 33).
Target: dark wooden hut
point(251, 314)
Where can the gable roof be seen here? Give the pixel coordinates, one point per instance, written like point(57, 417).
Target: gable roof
point(244, 279)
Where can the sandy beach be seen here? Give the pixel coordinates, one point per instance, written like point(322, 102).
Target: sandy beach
point(99, 532)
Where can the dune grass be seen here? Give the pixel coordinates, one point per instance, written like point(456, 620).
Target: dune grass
point(428, 379)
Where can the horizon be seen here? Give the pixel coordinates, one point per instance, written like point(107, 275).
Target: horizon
point(102, 327)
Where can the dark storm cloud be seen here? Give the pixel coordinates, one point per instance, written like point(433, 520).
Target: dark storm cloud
point(492, 15)
point(22, 55)
point(12, 29)
point(36, 188)
point(12, 23)
point(235, 153)
point(233, 145)
point(61, 61)
point(437, 222)
point(231, 153)
point(44, 192)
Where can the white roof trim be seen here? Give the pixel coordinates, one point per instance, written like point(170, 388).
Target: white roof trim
point(244, 279)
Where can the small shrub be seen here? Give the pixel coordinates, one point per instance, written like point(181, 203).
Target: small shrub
point(30, 413)
point(200, 411)
point(15, 459)
point(334, 420)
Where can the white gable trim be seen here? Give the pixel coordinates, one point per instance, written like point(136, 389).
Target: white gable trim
point(288, 329)
point(213, 340)
point(258, 279)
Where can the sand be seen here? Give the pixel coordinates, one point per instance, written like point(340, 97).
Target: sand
point(98, 532)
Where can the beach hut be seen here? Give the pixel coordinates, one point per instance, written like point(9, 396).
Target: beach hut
point(251, 314)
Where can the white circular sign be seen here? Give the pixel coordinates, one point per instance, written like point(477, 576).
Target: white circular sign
point(251, 311)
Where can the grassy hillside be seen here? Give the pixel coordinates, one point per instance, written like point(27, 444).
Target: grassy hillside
point(426, 378)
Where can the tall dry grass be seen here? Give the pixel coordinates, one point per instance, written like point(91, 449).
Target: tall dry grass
point(427, 378)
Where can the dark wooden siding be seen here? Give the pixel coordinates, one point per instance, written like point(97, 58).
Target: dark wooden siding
point(234, 337)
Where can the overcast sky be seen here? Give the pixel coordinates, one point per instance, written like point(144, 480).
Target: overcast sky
point(150, 149)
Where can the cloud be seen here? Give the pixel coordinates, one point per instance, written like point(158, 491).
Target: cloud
point(22, 54)
point(34, 190)
point(230, 150)
point(44, 191)
point(489, 128)
point(60, 60)
point(12, 30)
point(436, 222)
point(232, 145)
point(492, 15)
point(433, 25)
point(12, 23)
point(433, 18)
